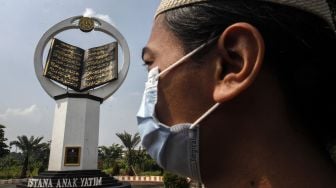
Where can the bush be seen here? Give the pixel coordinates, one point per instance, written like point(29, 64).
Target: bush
point(10, 173)
point(123, 172)
point(151, 173)
point(116, 169)
point(174, 181)
point(108, 171)
point(9, 167)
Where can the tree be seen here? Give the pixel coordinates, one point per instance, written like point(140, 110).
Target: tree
point(3, 146)
point(41, 156)
point(130, 143)
point(110, 154)
point(28, 147)
point(145, 162)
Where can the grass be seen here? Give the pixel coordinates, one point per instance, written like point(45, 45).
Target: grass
point(9, 173)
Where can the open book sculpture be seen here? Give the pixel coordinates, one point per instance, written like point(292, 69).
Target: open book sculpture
point(81, 69)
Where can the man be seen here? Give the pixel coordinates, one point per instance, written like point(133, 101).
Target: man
point(253, 81)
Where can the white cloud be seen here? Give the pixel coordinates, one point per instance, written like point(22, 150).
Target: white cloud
point(32, 113)
point(31, 120)
point(89, 12)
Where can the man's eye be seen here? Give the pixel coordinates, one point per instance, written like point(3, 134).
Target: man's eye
point(147, 63)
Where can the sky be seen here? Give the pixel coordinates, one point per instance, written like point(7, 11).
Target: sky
point(25, 108)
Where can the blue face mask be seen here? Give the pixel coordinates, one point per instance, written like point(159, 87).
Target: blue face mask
point(175, 148)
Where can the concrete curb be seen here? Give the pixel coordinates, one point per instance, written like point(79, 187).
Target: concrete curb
point(153, 179)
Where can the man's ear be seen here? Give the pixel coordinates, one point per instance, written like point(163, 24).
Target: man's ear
point(241, 50)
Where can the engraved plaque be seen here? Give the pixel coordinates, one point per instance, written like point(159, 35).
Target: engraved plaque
point(72, 156)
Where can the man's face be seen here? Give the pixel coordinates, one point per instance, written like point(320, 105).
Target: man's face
point(185, 92)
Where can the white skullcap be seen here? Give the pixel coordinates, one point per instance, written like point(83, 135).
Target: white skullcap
point(317, 7)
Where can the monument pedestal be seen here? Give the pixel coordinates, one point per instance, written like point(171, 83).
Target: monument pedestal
point(74, 142)
point(73, 157)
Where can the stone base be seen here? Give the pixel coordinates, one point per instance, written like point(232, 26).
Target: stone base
point(78, 178)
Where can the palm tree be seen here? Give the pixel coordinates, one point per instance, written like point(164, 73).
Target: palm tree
point(130, 143)
point(28, 147)
point(42, 155)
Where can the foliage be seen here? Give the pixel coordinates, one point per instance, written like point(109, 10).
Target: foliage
point(3, 146)
point(10, 173)
point(174, 181)
point(109, 155)
point(130, 143)
point(145, 163)
point(108, 171)
point(10, 166)
point(41, 156)
point(115, 169)
point(116, 159)
point(151, 173)
point(123, 172)
point(111, 158)
point(29, 148)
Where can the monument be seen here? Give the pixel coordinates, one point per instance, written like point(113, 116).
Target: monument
point(79, 81)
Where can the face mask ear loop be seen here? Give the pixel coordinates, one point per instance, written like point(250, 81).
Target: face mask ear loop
point(204, 115)
point(180, 61)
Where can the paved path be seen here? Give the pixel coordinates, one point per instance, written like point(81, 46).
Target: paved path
point(7, 186)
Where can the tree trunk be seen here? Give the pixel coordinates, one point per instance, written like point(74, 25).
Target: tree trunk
point(130, 171)
point(24, 167)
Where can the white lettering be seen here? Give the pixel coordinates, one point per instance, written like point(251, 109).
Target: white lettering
point(82, 182)
point(45, 182)
point(86, 182)
point(35, 182)
point(66, 182)
point(49, 183)
point(58, 183)
point(91, 179)
point(98, 181)
point(69, 184)
point(74, 182)
point(30, 183)
point(40, 183)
